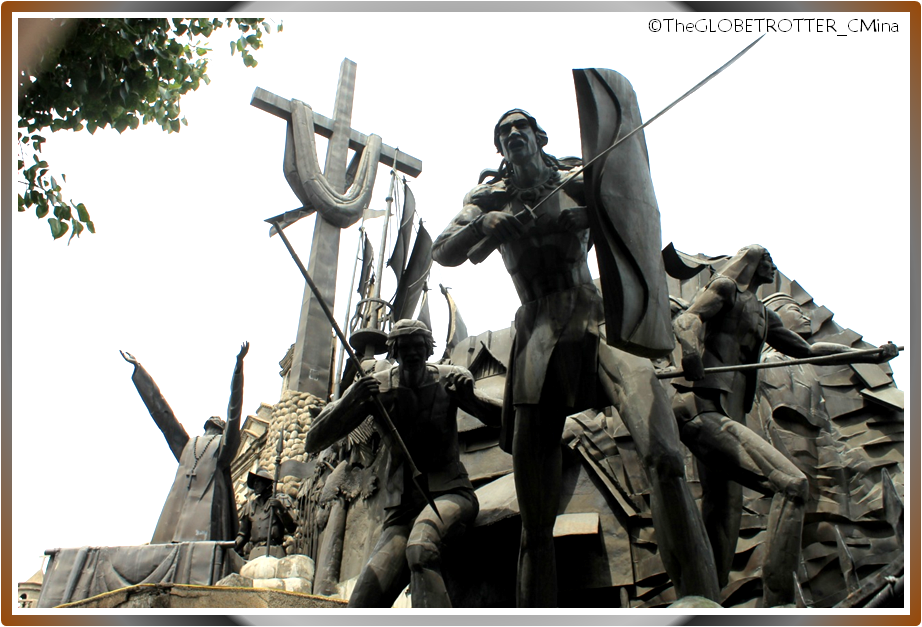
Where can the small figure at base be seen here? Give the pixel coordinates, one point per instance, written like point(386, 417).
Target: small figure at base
point(262, 510)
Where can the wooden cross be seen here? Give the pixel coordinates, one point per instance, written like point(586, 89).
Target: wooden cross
point(191, 476)
point(310, 367)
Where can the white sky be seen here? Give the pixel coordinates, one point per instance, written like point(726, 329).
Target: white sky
point(801, 146)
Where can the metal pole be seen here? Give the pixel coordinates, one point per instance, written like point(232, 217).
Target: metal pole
point(831, 360)
point(275, 486)
point(379, 272)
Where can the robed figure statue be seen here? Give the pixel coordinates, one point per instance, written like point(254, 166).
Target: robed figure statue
point(201, 505)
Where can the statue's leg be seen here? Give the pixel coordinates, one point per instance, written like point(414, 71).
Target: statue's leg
point(721, 509)
point(427, 536)
point(386, 573)
point(735, 450)
point(536, 460)
point(633, 389)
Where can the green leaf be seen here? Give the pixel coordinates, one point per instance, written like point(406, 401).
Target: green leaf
point(78, 229)
point(41, 210)
point(62, 212)
point(58, 228)
point(90, 227)
point(82, 213)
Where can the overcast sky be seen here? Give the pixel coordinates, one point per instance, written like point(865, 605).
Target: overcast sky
point(801, 146)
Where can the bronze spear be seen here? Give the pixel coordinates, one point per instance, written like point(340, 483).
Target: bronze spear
point(829, 360)
point(358, 364)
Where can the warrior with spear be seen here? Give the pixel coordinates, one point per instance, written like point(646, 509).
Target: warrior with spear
point(721, 333)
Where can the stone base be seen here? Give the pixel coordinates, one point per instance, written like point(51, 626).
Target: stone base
point(158, 596)
point(694, 602)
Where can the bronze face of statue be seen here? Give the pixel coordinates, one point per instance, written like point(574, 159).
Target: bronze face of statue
point(561, 364)
point(517, 139)
point(422, 400)
point(201, 503)
point(792, 316)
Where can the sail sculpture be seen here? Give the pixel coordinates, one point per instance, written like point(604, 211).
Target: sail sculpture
point(457, 330)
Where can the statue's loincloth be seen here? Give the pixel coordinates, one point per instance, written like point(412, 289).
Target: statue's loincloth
point(555, 354)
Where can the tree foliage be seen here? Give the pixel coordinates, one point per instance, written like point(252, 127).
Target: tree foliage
point(116, 72)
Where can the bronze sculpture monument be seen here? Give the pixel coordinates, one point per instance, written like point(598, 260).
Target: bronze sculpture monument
point(726, 325)
point(423, 400)
point(560, 361)
point(201, 503)
point(265, 519)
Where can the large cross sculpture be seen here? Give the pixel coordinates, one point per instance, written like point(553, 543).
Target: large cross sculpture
point(310, 368)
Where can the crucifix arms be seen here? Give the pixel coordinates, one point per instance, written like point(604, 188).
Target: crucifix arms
point(323, 126)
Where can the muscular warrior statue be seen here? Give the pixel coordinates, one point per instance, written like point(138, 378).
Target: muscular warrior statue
point(201, 503)
point(726, 325)
point(561, 363)
point(422, 400)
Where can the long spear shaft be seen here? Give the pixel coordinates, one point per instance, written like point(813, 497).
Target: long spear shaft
point(342, 338)
point(337, 385)
point(576, 171)
point(835, 359)
point(275, 487)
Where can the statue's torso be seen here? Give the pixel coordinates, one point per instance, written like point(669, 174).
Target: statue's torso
point(260, 516)
point(735, 336)
point(426, 418)
point(547, 258)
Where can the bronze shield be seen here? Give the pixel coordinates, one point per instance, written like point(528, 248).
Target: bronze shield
point(623, 215)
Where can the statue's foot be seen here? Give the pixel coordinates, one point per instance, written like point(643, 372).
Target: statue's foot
point(694, 602)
